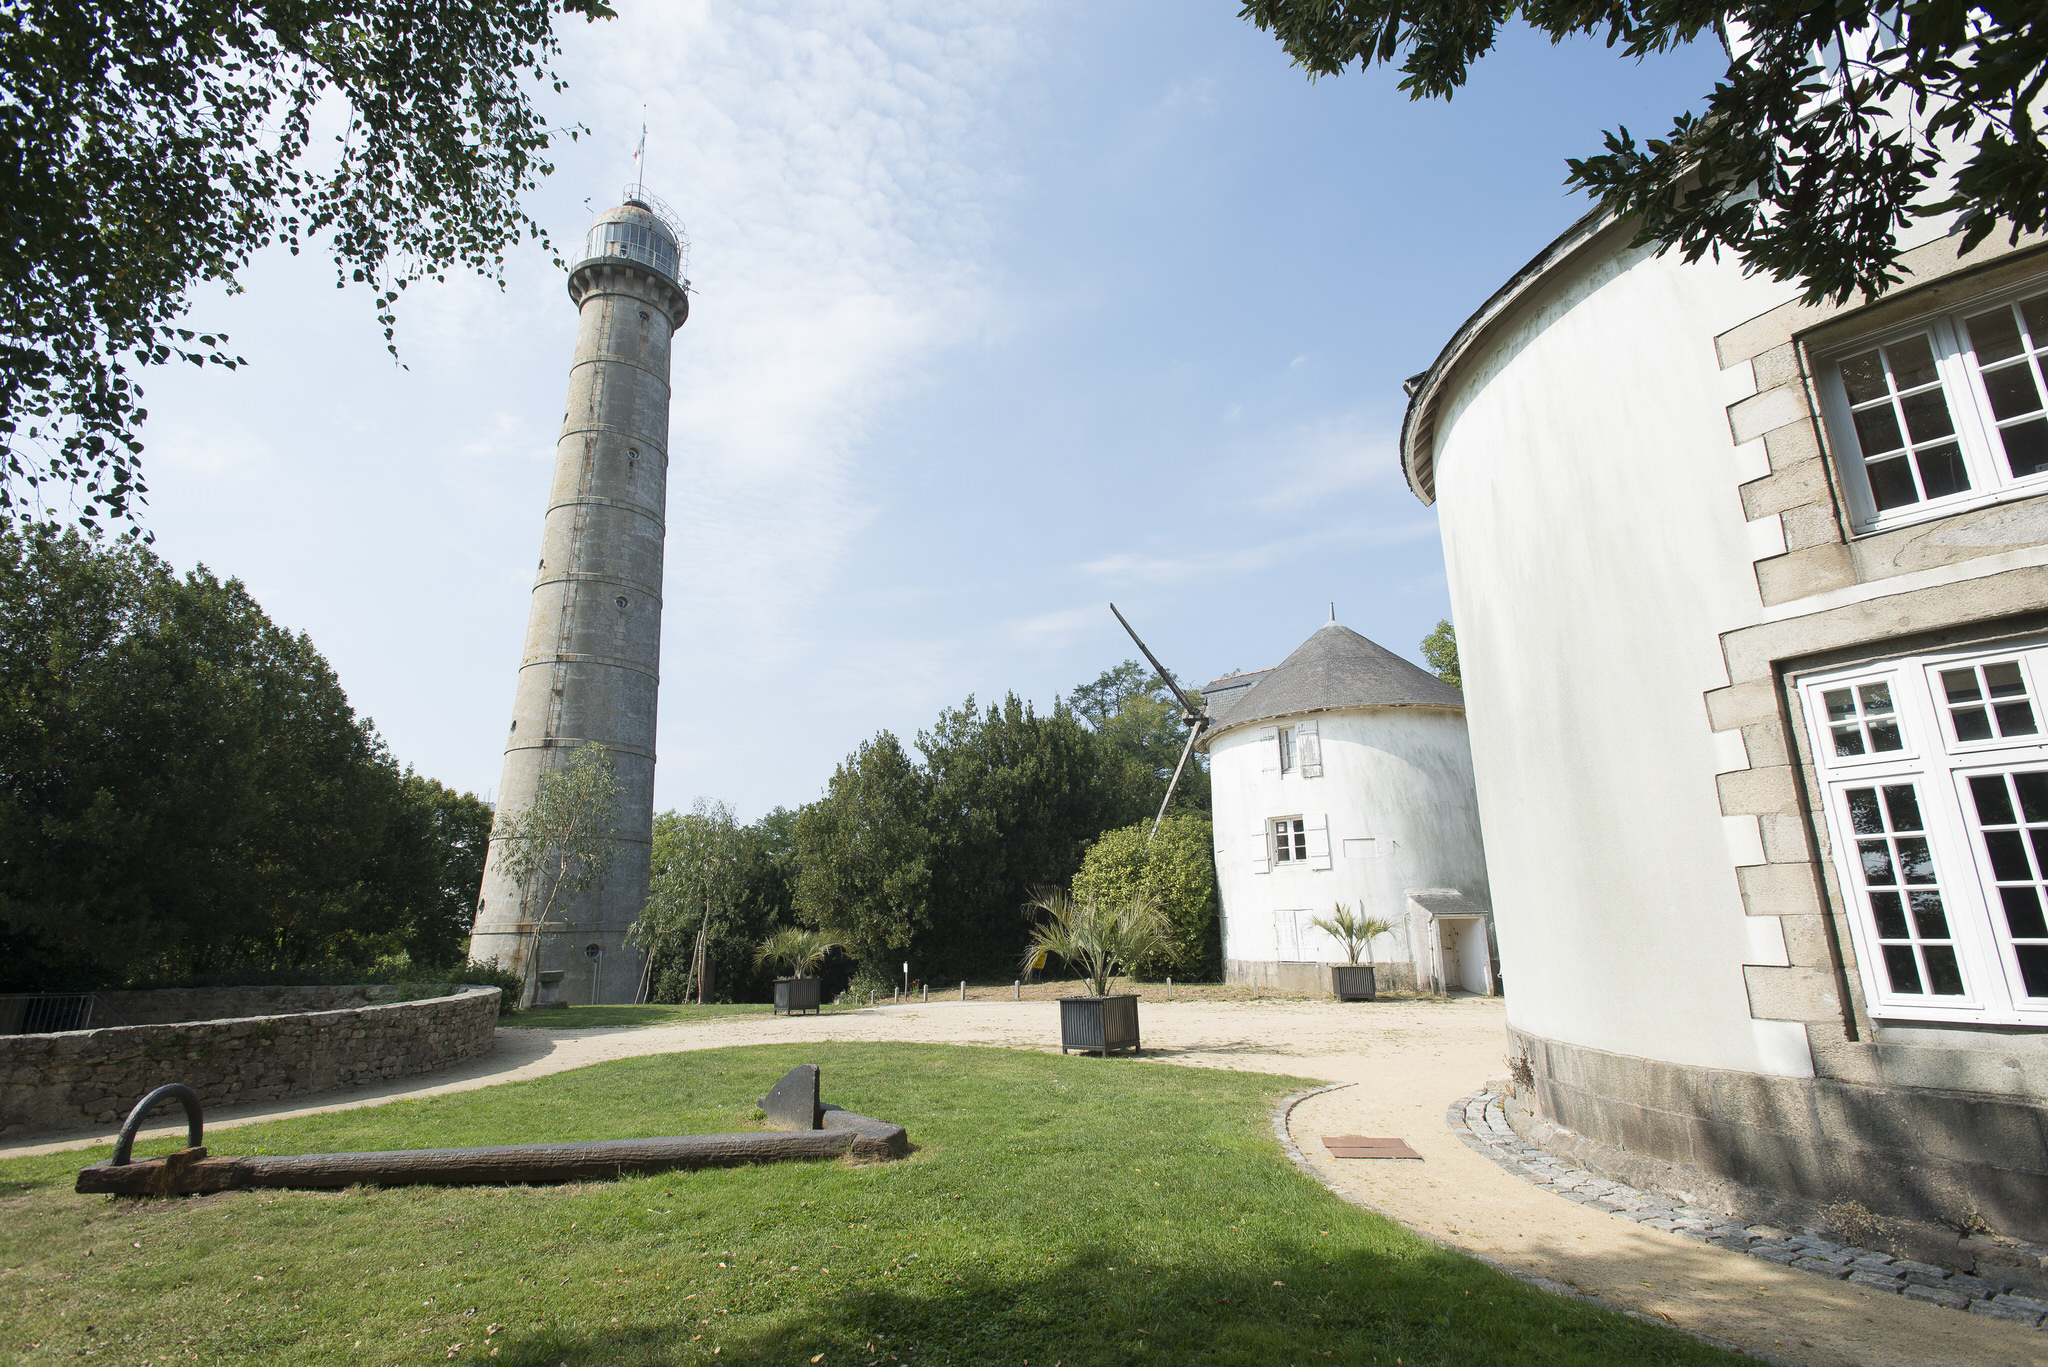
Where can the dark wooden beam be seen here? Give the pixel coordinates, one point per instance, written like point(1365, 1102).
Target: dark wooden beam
point(194, 1170)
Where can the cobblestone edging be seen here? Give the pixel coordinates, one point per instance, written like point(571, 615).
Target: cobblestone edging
point(1480, 1119)
point(1284, 1108)
point(92, 1077)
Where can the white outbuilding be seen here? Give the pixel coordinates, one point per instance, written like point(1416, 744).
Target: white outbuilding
point(1343, 775)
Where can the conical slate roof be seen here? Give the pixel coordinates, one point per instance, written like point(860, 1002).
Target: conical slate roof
point(1336, 667)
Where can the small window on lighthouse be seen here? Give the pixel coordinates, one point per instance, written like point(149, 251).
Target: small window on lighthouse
point(645, 315)
point(632, 456)
point(621, 601)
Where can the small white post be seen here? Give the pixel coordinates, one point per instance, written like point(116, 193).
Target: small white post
point(1018, 987)
point(963, 989)
point(925, 993)
point(1169, 989)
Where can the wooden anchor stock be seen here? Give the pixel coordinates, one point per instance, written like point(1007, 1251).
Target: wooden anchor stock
point(833, 1133)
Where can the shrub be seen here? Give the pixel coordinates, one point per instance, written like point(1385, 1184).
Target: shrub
point(1175, 872)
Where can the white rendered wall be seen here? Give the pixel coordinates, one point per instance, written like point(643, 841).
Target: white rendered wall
point(1596, 547)
point(1398, 776)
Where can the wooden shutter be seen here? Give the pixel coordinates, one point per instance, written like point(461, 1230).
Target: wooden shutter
point(1286, 936)
point(1262, 855)
point(1269, 749)
point(1317, 828)
point(1308, 750)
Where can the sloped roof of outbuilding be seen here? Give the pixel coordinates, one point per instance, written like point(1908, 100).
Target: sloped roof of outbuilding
point(1334, 668)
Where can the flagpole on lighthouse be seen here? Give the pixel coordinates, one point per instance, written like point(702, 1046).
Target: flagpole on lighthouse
point(640, 160)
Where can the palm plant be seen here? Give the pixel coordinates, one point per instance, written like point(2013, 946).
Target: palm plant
point(1354, 928)
point(1095, 936)
point(800, 949)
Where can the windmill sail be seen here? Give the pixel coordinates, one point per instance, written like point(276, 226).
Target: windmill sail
point(1195, 718)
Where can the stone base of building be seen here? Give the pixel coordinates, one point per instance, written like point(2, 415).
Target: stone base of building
point(598, 965)
point(1284, 978)
point(1955, 1159)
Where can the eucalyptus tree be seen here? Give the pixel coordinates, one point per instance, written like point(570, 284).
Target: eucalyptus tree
point(561, 843)
point(154, 146)
point(701, 874)
point(1836, 123)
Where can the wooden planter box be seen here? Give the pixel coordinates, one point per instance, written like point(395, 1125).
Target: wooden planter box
point(797, 994)
point(1099, 1024)
point(1353, 982)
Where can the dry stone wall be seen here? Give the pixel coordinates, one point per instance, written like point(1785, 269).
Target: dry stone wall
point(164, 1006)
point(92, 1077)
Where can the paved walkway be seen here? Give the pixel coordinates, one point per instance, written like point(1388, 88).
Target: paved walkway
point(1411, 1061)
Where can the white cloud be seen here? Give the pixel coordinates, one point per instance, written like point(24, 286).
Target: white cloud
point(1326, 487)
point(826, 160)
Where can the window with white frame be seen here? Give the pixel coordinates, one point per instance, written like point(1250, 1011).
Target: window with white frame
point(1942, 415)
point(1286, 738)
point(1934, 777)
point(1290, 840)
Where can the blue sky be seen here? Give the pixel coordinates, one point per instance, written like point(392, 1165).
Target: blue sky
point(1004, 311)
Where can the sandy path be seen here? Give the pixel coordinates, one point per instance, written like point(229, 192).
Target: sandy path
point(1411, 1060)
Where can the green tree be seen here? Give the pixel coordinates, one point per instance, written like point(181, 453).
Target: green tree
point(1175, 872)
point(1440, 653)
point(1140, 723)
point(424, 877)
point(699, 886)
point(184, 788)
point(1013, 800)
point(1829, 132)
point(155, 145)
point(863, 856)
point(561, 843)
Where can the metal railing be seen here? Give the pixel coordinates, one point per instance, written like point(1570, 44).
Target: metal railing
point(49, 1013)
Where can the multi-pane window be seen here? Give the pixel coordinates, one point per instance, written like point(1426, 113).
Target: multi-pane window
point(1861, 720)
point(1286, 749)
point(1987, 701)
point(1896, 868)
point(2006, 346)
point(1947, 414)
point(1903, 424)
point(1290, 840)
point(1935, 774)
point(2010, 815)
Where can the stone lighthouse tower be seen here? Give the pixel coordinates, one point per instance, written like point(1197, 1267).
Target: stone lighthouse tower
point(590, 668)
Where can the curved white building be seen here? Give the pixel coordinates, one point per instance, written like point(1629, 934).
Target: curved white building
point(1752, 597)
point(1343, 775)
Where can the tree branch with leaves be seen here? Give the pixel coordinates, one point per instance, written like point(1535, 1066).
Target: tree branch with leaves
point(154, 146)
point(1837, 123)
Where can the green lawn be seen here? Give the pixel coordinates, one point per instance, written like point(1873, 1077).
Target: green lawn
point(1058, 1211)
point(651, 1013)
